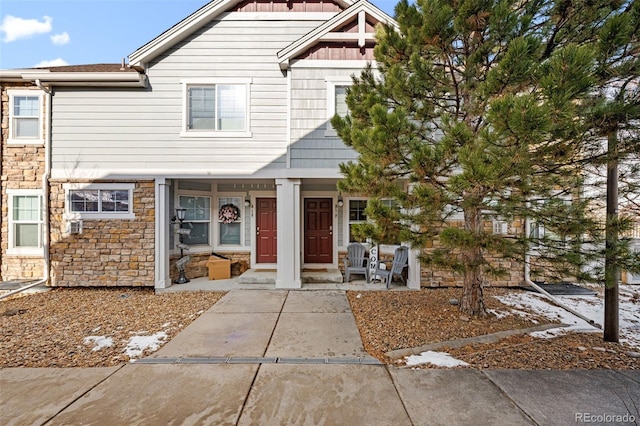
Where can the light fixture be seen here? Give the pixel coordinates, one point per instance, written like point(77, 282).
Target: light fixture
point(340, 202)
point(181, 213)
point(247, 203)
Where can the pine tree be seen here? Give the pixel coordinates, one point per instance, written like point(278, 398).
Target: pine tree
point(615, 116)
point(479, 107)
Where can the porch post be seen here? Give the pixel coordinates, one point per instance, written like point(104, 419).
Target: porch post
point(288, 273)
point(413, 279)
point(162, 227)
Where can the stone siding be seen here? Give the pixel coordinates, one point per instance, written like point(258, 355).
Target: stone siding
point(21, 167)
point(434, 277)
point(108, 253)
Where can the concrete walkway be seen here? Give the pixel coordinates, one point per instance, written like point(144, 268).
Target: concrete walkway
point(296, 358)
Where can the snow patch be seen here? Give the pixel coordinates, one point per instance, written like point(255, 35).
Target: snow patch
point(591, 307)
point(138, 344)
point(99, 342)
point(441, 359)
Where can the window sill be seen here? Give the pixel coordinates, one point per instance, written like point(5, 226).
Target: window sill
point(194, 249)
point(230, 248)
point(25, 141)
point(98, 216)
point(214, 135)
point(25, 252)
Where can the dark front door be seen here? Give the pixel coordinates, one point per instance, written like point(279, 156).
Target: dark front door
point(266, 230)
point(318, 230)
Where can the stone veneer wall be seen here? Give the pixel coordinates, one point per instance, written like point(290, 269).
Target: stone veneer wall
point(434, 277)
point(21, 167)
point(197, 266)
point(110, 253)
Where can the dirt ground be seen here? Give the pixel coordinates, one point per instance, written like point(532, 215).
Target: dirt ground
point(50, 329)
point(394, 320)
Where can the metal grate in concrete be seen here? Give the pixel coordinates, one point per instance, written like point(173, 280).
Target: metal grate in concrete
point(258, 360)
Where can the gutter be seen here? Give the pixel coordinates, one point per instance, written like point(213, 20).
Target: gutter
point(528, 281)
point(45, 196)
point(104, 79)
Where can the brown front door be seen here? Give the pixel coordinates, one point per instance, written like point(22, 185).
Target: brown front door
point(318, 230)
point(266, 230)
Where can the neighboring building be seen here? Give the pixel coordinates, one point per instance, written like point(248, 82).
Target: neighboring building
point(226, 111)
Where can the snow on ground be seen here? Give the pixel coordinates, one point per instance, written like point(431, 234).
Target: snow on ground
point(441, 359)
point(592, 307)
point(99, 342)
point(138, 344)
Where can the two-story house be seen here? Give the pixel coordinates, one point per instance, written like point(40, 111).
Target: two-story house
point(225, 115)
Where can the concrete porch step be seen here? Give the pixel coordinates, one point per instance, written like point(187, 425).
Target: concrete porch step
point(263, 276)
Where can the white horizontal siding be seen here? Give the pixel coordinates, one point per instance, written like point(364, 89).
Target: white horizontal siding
point(310, 148)
point(102, 132)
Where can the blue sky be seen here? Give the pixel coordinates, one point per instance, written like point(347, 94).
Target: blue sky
point(72, 32)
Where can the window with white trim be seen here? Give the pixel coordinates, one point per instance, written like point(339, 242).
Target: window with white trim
point(336, 100)
point(197, 219)
point(25, 221)
point(25, 117)
point(230, 221)
point(216, 108)
point(500, 227)
point(99, 201)
point(356, 215)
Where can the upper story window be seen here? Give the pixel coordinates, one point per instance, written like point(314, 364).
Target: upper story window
point(25, 221)
point(218, 108)
point(99, 201)
point(336, 100)
point(25, 117)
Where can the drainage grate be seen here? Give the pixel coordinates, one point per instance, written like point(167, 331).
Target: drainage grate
point(258, 360)
point(204, 360)
point(302, 360)
point(252, 360)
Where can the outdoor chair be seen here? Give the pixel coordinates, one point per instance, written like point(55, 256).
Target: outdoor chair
point(356, 262)
point(400, 261)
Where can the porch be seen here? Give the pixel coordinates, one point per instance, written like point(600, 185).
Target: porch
point(260, 279)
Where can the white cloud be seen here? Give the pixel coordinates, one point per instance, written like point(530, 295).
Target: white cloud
point(15, 28)
point(52, 63)
point(60, 38)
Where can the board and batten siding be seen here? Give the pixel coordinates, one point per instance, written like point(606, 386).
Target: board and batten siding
point(310, 146)
point(99, 133)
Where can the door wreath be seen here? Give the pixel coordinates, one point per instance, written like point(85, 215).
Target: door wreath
point(228, 213)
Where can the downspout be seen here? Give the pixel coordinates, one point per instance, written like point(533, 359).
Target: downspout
point(45, 196)
point(528, 281)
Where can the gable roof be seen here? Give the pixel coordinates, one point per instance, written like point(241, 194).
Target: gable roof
point(358, 11)
point(188, 26)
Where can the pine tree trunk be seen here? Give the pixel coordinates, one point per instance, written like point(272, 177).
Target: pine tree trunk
point(611, 270)
point(472, 302)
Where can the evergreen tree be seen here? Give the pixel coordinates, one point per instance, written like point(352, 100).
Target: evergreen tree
point(479, 106)
point(615, 116)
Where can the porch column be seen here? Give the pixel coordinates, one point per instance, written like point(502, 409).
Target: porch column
point(413, 278)
point(162, 228)
point(289, 233)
